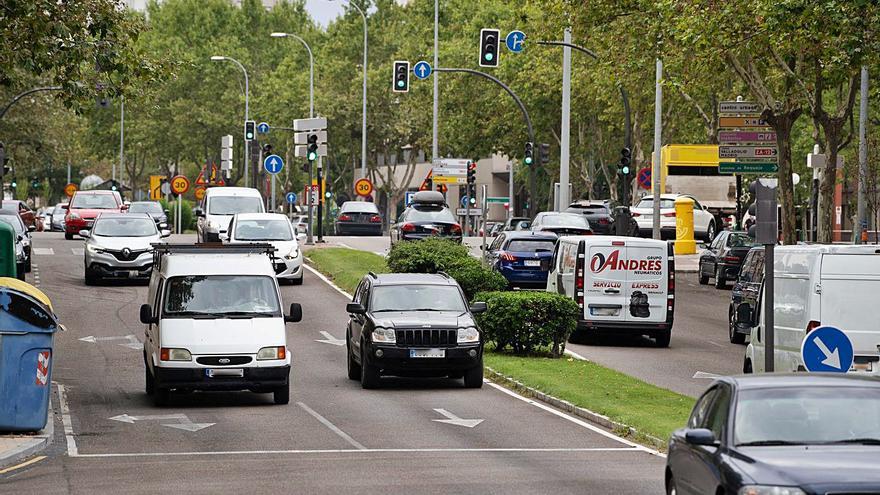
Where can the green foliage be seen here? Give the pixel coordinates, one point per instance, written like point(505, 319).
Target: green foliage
point(186, 213)
point(346, 267)
point(474, 277)
point(526, 321)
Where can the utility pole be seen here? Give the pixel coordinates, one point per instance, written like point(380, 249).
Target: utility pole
point(656, 178)
point(863, 158)
point(121, 136)
point(565, 138)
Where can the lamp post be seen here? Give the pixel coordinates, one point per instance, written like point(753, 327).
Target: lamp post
point(218, 58)
point(364, 109)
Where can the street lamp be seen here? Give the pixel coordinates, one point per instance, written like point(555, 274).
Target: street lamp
point(218, 58)
point(364, 110)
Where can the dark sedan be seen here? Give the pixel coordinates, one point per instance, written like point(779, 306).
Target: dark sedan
point(797, 434)
point(358, 217)
point(597, 213)
point(152, 208)
point(427, 217)
point(724, 257)
point(746, 292)
point(523, 258)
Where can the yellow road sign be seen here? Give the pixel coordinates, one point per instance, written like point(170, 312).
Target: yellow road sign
point(155, 186)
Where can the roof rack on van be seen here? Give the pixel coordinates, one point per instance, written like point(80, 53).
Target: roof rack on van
point(372, 274)
point(161, 249)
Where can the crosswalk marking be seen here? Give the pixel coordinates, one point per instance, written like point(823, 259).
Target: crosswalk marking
point(44, 251)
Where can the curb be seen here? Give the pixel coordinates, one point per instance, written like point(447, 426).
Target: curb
point(38, 442)
point(564, 405)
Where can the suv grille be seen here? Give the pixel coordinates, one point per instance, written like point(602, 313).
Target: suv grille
point(132, 254)
point(445, 337)
point(216, 360)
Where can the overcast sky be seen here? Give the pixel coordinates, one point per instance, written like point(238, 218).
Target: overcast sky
point(323, 11)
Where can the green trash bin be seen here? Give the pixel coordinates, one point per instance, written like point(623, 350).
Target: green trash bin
point(7, 252)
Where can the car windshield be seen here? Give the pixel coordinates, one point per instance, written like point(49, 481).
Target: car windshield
point(148, 207)
point(124, 227)
point(808, 415)
point(221, 295)
point(230, 205)
point(263, 230)
point(430, 214)
point(564, 219)
point(740, 240)
point(95, 202)
point(531, 246)
point(649, 203)
point(14, 221)
point(417, 298)
point(359, 207)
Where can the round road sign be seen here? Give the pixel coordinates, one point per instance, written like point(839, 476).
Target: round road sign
point(363, 187)
point(200, 193)
point(644, 178)
point(290, 197)
point(70, 189)
point(179, 184)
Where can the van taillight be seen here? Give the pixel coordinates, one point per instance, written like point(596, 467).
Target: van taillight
point(670, 284)
point(812, 325)
point(579, 280)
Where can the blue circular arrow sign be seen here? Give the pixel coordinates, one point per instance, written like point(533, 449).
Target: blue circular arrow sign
point(273, 164)
point(464, 201)
point(827, 349)
point(516, 41)
point(422, 70)
point(291, 197)
point(263, 128)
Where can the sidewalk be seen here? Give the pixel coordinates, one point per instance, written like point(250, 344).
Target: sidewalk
point(687, 263)
point(15, 447)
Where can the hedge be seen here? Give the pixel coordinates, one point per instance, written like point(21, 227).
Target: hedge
point(527, 321)
point(186, 213)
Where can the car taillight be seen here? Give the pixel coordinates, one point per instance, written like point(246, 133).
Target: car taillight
point(508, 257)
point(455, 229)
point(344, 218)
point(408, 227)
point(375, 219)
point(812, 325)
point(634, 214)
point(731, 259)
point(604, 221)
point(671, 214)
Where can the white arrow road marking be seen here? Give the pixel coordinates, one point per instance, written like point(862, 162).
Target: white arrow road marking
point(133, 342)
point(183, 421)
point(831, 358)
point(703, 374)
point(329, 339)
point(452, 419)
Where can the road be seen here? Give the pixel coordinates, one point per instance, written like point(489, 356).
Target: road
point(333, 437)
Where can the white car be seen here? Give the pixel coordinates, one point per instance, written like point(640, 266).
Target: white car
point(705, 227)
point(214, 322)
point(119, 245)
point(275, 229)
point(218, 206)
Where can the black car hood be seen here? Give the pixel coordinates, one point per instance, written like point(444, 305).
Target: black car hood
point(819, 467)
point(423, 319)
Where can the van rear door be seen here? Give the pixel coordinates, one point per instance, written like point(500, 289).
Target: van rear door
point(849, 287)
point(647, 273)
point(604, 281)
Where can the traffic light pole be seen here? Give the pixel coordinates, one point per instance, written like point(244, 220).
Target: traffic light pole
point(528, 120)
point(320, 203)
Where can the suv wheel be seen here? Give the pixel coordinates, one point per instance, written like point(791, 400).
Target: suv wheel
point(281, 395)
point(369, 373)
point(68, 237)
point(161, 396)
point(354, 369)
point(473, 378)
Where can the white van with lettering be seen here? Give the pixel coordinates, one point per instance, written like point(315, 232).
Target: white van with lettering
point(623, 285)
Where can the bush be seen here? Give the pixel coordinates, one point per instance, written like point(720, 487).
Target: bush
point(440, 255)
point(526, 321)
point(186, 214)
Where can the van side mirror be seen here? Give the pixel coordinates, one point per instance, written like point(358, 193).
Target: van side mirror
point(700, 436)
point(167, 213)
point(296, 314)
point(479, 307)
point(745, 316)
point(147, 315)
point(355, 309)
point(199, 212)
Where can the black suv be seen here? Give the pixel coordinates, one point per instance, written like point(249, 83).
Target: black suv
point(427, 216)
point(413, 325)
point(746, 292)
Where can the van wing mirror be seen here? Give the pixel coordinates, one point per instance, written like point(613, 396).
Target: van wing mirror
point(199, 212)
point(296, 314)
point(147, 315)
point(355, 308)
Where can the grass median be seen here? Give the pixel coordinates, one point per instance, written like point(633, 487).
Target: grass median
point(651, 410)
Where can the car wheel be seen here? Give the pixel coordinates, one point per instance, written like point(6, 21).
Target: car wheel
point(297, 281)
point(149, 381)
point(281, 395)
point(720, 281)
point(354, 369)
point(28, 266)
point(369, 374)
point(704, 279)
point(747, 366)
point(735, 338)
point(710, 232)
point(473, 378)
point(670, 486)
point(90, 277)
point(68, 237)
point(20, 271)
point(662, 338)
point(161, 396)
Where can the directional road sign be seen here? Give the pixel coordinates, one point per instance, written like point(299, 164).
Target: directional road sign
point(273, 164)
point(738, 107)
point(827, 349)
point(290, 197)
point(748, 168)
point(314, 124)
point(746, 137)
point(766, 153)
point(464, 201)
point(498, 199)
point(754, 121)
point(475, 212)
point(422, 70)
point(263, 128)
point(515, 41)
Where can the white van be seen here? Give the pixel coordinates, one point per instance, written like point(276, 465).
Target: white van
point(623, 285)
point(214, 322)
point(820, 285)
point(218, 206)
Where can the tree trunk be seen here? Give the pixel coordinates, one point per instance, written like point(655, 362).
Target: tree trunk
point(782, 123)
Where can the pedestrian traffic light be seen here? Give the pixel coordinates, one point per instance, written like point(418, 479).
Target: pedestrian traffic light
point(489, 47)
point(530, 152)
point(472, 173)
point(545, 153)
point(249, 130)
point(401, 77)
point(623, 167)
point(313, 147)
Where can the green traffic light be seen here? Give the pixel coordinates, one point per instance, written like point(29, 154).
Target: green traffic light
point(625, 170)
point(400, 84)
point(489, 56)
point(313, 156)
point(528, 160)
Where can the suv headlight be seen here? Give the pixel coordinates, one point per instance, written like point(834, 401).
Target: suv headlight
point(384, 335)
point(166, 354)
point(468, 334)
point(770, 490)
point(271, 353)
point(94, 249)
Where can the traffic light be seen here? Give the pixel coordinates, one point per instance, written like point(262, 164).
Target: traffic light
point(267, 149)
point(312, 147)
point(13, 184)
point(401, 77)
point(472, 173)
point(545, 153)
point(623, 167)
point(489, 47)
point(250, 130)
point(529, 157)
point(35, 183)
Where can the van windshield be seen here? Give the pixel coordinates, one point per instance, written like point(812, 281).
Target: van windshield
point(218, 296)
point(230, 205)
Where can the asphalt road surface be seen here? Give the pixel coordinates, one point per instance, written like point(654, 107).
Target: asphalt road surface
point(333, 437)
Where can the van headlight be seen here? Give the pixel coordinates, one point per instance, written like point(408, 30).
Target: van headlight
point(770, 490)
point(271, 353)
point(468, 334)
point(171, 354)
point(384, 335)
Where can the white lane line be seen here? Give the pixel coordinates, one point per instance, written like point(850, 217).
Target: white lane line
point(576, 421)
point(44, 251)
point(575, 355)
point(703, 374)
point(716, 344)
point(354, 443)
point(72, 451)
point(363, 451)
point(380, 253)
point(346, 246)
point(327, 281)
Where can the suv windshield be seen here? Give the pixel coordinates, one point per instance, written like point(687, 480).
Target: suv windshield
point(430, 214)
point(263, 230)
point(146, 207)
point(230, 205)
point(531, 246)
point(417, 298)
point(220, 295)
point(95, 202)
point(124, 227)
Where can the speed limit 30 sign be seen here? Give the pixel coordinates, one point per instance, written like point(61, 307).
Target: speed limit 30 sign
point(363, 187)
point(179, 184)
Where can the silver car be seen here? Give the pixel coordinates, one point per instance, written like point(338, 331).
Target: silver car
point(57, 224)
point(119, 246)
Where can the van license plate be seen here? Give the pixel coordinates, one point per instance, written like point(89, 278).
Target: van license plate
point(427, 353)
point(532, 262)
point(236, 373)
point(866, 367)
point(604, 311)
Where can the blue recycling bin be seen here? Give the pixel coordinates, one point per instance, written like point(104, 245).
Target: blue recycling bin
point(27, 329)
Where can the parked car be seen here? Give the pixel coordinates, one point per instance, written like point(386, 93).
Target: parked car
point(561, 223)
point(490, 228)
point(523, 258)
point(428, 216)
point(44, 218)
point(597, 213)
point(623, 285)
point(22, 241)
point(153, 209)
point(214, 322)
point(746, 291)
point(120, 246)
point(58, 214)
point(724, 257)
point(516, 223)
point(219, 204)
point(793, 434)
point(819, 285)
point(85, 206)
point(27, 214)
point(704, 222)
point(275, 229)
point(301, 224)
point(358, 217)
point(413, 325)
